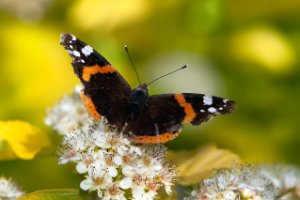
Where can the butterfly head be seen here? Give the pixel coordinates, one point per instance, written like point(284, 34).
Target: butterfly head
point(139, 94)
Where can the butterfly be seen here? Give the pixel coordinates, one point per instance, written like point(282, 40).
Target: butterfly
point(145, 119)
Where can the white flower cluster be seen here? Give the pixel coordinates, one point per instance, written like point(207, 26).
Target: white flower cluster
point(114, 167)
point(247, 183)
point(68, 114)
point(9, 190)
point(285, 177)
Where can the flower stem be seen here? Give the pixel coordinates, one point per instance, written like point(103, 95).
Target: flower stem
point(288, 191)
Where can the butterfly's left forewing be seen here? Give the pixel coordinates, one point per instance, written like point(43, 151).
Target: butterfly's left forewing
point(165, 113)
point(105, 92)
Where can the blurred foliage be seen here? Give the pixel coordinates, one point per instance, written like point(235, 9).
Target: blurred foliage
point(63, 194)
point(244, 50)
point(21, 140)
point(194, 166)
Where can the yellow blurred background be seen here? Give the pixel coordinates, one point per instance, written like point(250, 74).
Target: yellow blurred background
point(246, 51)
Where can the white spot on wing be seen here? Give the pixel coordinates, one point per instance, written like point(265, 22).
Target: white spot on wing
point(207, 100)
point(202, 111)
point(74, 38)
point(87, 50)
point(212, 110)
point(76, 53)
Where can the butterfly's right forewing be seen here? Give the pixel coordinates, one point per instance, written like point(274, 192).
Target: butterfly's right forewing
point(205, 107)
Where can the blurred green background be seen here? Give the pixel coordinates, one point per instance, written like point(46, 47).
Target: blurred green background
point(242, 50)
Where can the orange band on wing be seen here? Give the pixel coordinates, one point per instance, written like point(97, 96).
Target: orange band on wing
point(88, 103)
point(162, 138)
point(190, 114)
point(91, 70)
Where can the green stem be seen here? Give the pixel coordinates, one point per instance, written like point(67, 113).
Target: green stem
point(288, 191)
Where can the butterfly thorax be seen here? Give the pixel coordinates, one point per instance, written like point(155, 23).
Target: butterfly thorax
point(137, 101)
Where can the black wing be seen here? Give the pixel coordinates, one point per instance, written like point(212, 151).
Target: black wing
point(105, 92)
point(163, 115)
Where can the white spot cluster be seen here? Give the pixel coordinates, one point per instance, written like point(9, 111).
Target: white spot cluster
point(207, 100)
point(87, 50)
point(211, 108)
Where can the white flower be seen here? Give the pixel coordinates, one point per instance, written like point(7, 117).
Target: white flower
point(113, 193)
point(9, 190)
point(115, 168)
point(68, 114)
point(140, 193)
point(237, 183)
point(126, 183)
point(86, 184)
point(168, 178)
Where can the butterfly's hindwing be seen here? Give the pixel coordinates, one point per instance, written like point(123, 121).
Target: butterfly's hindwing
point(149, 128)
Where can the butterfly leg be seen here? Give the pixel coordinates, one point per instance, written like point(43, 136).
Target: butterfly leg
point(156, 133)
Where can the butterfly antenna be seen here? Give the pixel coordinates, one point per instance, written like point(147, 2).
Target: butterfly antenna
point(176, 70)
point(137, 75)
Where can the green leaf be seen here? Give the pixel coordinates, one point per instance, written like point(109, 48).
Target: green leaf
point(55, 194)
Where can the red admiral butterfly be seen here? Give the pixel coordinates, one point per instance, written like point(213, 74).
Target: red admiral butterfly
point(147, 119)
